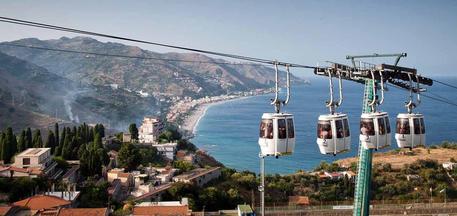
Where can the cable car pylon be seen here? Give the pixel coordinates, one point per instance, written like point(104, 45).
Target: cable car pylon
point(373, 77)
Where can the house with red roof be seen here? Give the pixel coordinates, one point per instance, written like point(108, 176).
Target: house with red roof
point(40, 202)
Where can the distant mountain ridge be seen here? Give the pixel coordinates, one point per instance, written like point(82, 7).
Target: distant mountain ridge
point(112, 90)
point(171, 78)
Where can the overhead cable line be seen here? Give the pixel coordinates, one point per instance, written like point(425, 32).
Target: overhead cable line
point(125, 56)
point(446, 84)
point(72, 30)
point(440, 99)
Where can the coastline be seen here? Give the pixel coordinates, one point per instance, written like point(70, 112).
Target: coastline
point(191, 121)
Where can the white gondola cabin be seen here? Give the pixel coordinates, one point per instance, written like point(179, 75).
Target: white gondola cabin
point(375, 130)
point(410, 130)
point(277, 134)
point(333, 135)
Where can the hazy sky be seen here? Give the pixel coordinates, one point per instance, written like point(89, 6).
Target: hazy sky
point(303, 32)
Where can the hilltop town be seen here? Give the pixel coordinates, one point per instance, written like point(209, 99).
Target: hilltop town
point(151, 168)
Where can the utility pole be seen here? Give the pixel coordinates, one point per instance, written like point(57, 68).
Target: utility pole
point(262, 184)
point(431, 196)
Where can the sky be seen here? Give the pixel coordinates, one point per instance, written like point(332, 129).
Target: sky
point(303, 32)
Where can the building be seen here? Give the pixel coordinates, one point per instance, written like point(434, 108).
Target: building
point(412, 177)
point(39, 202)
point(67, 212)
point(32, 162)
point(8, 210)
point(83, 212)
point(173, 208)
point(114, 191)
point(150, 130)
point(72, 175)
point(199, 176)
point(449, 165)
point(126, 137)
point(167, 150)
point(126, 179)
point(165, 174)
point(298, 200)
point(245, 210)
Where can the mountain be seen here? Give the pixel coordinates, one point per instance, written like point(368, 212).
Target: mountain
point(31, 95)
point(156, 77)
point(116, 91)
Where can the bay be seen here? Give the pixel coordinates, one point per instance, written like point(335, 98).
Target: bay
point(229, 131)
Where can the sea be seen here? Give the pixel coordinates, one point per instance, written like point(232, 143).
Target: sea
point(229, 131)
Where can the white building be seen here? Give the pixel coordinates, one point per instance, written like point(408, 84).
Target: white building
point(449, 165)
point(150, 130)
point(32, 162)
point(167, 150)
point(199, 176)
point(33, 157)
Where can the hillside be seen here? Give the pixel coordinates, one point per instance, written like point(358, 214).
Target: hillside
point(35, 93)
point(19, 118)
point(156, 77)
point(398, 158)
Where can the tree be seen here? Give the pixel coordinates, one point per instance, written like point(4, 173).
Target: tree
point(59, 148)
point(56, 133)
point(9, 145)
point(149, 155)
point(183, 166)
point(92, 159)
point(7, 140)
point(37, 141)
point(133, 131)
point(50, 141)
point(98, 140)
point(100, 129)
point(28, 139)
point(169, 135)
point(66, 149)
point(94, 195)
point(2, 143)
point(21, 145)
point(129, 157)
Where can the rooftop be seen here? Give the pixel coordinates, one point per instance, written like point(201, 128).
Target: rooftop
point(163, 203)
point(245, 208)
point(33, 152)
point(161, 210)
point(166, 145)
point(196, 173)
point(299, 200)
point(83, 211)
point(42, 202)
point(71, 171)
point(69, 196)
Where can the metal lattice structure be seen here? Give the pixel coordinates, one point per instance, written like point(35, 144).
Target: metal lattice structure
point(370, 75)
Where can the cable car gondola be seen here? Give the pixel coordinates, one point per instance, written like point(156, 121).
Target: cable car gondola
point(333, 134)
point(277, 134)
point(410, 126)
point(410, 130)
point(277, 131)
point(375, 130)
point(375, 126)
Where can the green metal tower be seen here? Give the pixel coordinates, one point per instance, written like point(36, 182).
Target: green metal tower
point(370, 75)
point(362, 189)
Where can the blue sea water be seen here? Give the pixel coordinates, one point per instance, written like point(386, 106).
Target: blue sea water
point(229, 131)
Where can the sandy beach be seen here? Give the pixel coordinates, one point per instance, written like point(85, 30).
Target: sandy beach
point(191, 121)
